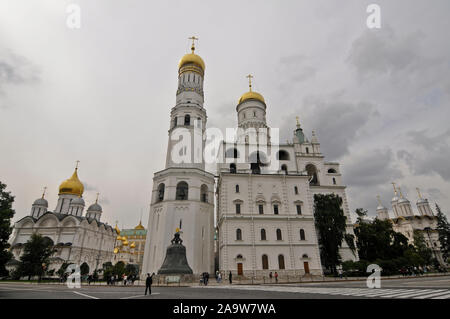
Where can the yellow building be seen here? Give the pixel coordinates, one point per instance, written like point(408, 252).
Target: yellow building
point(130, 244)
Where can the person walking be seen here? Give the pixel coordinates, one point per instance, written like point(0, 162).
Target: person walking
point(219, 278)
point(270, 276)
point(148, 284)
point(276, 277)
point(230, 278)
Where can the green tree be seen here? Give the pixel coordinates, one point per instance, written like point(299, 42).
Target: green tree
point(119, 268)
point(84, 269)
point(131, 270)
point(6, 214)
point(36, 254)
point(443, 228)
point(422, 249)
point(330, 223)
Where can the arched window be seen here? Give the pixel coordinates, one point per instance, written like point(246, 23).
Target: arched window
point(281, 262)
point(265, 262)
point(296, 190)
point(307, 150)
point(283, 155)
point(263, 234)
point(332, 171)
point(182, 191)
point(302, 234)
point(238, 234)
point(204, 193)
point(284, 168)
point(312, 173)
point(233, 168)
point(187, 119)
point(161, 188)
point(279, 237)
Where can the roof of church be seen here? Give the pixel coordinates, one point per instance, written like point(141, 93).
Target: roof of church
point(62, 216)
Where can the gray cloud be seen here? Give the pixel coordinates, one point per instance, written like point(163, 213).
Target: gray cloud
point(15, 69)
point(431, 154)
point(372, 168)
point(336, 123)
point(383, 52)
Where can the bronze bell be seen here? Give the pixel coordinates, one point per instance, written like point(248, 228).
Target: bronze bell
point(175, 261)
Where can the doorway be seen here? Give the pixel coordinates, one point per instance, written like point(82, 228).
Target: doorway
point(240, 269)
point(306, 266)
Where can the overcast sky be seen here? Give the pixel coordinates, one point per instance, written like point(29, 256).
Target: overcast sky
point(377, 98)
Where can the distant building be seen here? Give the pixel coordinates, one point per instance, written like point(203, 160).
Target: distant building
point(406, 221)
point(130, 245)
point(78, 238)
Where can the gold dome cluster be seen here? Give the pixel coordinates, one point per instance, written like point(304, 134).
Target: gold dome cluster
point(72, 186)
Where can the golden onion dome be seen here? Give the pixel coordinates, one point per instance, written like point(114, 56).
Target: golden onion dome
point(119, 238)
point(192, 58)
point(117, 230)
point(250, 95)
point(132, 245)
point(72, 186)
point(125, 242)
point(139, 227)
point(116, 250)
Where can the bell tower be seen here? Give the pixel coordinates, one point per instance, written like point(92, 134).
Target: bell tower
point(188, 116)
point(183, 193)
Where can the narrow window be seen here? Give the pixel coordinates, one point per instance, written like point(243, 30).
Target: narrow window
point(275, 209)
point(307, 150)
point(237, 188)
point(302, 234)
point(238, 234)
point(299, 209)
point(263, 234)
point(281, 261)
point(334, 181)
point(279, 237)
point(238, 209)
point(296, 190)
point(261, 209)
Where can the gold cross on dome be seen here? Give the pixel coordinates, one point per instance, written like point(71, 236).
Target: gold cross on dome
point(43, 194)
point(77, 162)
point(250, 77)
point(193, 38)
point(96, 200)
point(395, 189)
point(418, 192)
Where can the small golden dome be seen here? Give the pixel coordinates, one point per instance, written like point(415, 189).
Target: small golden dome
point(125, 242)
point(119, 238)
point(250, 95)
point(116, 250)
point(132, 245)
point(117, 230)
point(72, 186)
point(139, 227)
point(192, 58)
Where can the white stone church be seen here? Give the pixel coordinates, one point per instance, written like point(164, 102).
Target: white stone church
point(264, 191)
point(78, 238)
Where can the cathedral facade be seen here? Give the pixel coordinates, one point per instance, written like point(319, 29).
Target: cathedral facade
point(407, 221)
point(77, 237)
point(265, 198)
